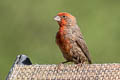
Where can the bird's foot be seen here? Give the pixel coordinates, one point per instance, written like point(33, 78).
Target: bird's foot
point(80, 64)
point(59, 66)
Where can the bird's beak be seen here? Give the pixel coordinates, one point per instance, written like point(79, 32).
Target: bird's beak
point(57, 18)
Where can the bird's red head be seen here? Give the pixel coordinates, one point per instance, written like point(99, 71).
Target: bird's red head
point(65, 19)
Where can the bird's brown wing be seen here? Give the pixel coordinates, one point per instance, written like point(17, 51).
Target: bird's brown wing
point(82, 44)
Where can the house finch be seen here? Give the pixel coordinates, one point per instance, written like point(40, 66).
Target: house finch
point(70, 40)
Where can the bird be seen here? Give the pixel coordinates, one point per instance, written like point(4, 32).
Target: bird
point(70, 40)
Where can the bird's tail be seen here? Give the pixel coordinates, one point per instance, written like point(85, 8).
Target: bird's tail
point(89, 61)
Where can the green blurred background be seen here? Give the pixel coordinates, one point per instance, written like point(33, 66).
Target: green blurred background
point(27, 27)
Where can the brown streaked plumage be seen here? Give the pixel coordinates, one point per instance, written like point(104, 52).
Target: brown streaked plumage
point(70, 40)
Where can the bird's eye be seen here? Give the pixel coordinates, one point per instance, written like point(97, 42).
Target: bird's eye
point(64, 16)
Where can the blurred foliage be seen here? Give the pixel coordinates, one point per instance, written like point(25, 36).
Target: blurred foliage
point(27, 27)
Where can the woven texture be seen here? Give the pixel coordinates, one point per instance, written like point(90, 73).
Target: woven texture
point(79, 72)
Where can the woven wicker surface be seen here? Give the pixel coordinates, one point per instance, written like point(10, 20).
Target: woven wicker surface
point(79, 72)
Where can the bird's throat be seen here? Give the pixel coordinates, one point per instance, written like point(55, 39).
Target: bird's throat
point(61, 29)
